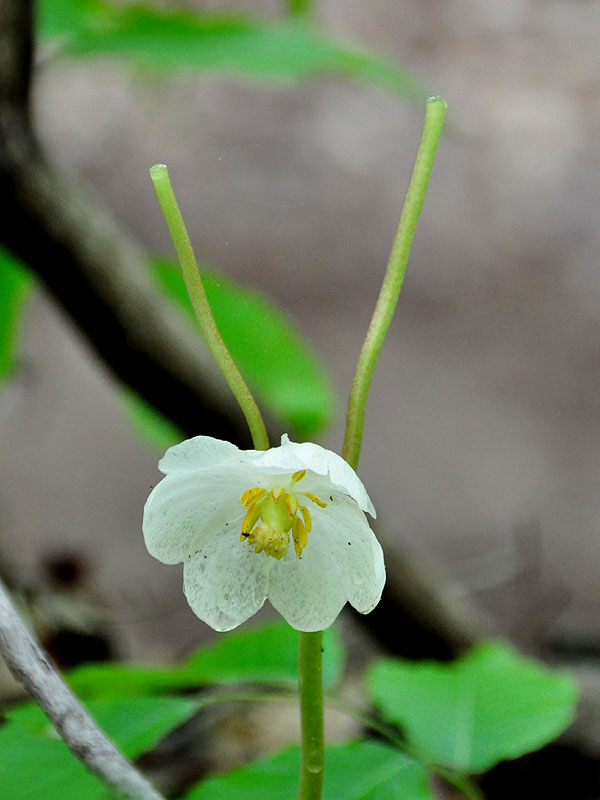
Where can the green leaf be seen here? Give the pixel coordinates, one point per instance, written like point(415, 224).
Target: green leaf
point(267, 654)
point(182, 39)
point(150, 425)
point(36, 763)
point(258, 655)
point(15, 286)
point(467, 715)
point(355, 771)
point(298, 7)
point(281, 369)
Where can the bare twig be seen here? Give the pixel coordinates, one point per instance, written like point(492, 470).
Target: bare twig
point(32, 667)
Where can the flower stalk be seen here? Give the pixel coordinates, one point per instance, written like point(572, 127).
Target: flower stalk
point(201, 306)
point(394, 277)
point(310, 684)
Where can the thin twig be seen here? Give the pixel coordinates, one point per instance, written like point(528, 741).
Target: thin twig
point(31, 666)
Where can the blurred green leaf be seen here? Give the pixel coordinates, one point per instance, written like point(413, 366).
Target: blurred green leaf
point(149, 424)
point(467, 715)
point(279, 366)
point(355, 771)
point(34, 762)
point(182, 39)
point(268, 654)
point(15, 287)
point(298, 7)
point(259, 655)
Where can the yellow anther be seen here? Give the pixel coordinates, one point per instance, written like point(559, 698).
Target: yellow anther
point(251, 518)
point(302, 534)
point(307, 518)
point(296, 540)
point(272, 518)
point(277, 494)
point(250, 495)
point(315, 499)
point(297, 547)
point(299, 536)
point(291, 504)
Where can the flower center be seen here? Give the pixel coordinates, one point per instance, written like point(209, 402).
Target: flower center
point(277, 508)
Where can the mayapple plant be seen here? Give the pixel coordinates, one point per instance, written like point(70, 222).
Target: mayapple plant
point(284, 523)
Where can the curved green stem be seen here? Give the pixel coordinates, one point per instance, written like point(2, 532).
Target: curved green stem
point(200, 304)
point(394, 276)
point(310, 684)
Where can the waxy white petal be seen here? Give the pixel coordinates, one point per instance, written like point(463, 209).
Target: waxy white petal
point(185, 509)
point(307, 591)
point(226, 582)
point(291, 456)
point(197, 453)
point(355, 550)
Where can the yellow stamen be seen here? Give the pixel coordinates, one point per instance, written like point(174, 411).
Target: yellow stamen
point(299, 536)
point(277, 519)
point(251, 518)
point(315, 499)
point(277, 494)
point(307, 518)
point(296, 538)
point(302, 534)
point(291, 504)
point(250, 495)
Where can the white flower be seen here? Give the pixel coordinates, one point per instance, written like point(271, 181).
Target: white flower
point(285, 524)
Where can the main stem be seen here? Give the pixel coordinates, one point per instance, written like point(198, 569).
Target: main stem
point(310, 683)
point(310, 653)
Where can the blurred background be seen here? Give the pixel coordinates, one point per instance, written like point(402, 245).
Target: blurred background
point(481, 448)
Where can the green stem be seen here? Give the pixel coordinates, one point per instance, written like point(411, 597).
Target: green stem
point(394, 276)
point(200, 304)
point(310, 683)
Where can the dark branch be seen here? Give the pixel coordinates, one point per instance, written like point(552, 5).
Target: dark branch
point(96, 272)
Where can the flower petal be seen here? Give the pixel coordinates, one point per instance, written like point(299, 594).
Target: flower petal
point(292, 456)
point(307, 591)
point(197, 453)
point(355, 550)
point(225, 583)
point(185, 509)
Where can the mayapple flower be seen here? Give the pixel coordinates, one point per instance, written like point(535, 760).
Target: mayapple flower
point(287, 524)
